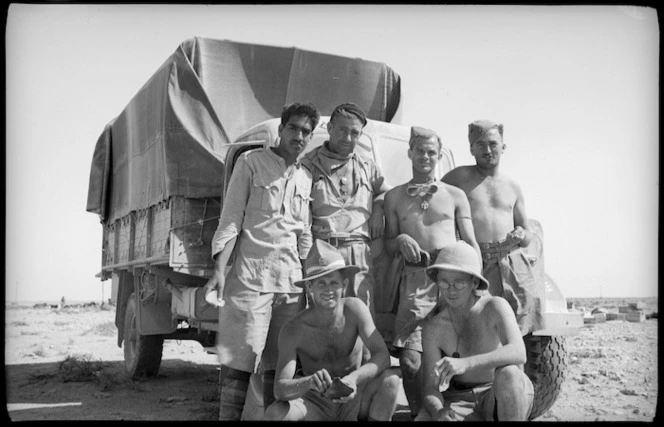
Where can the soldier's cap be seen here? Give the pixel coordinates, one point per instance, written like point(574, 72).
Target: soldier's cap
point(323, 259)
point(460, 257)
point(351, 108)
point(479, 127)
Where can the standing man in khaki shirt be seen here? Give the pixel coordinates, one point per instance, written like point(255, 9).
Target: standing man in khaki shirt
point(267, 212)
point(348, 191)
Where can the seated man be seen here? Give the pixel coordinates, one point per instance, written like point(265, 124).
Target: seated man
point(327, 338)
point(473, 351)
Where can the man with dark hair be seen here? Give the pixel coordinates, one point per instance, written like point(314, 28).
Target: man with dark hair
point(499, 218)
point(266, 210)
point(421, 216)
point(348, 189)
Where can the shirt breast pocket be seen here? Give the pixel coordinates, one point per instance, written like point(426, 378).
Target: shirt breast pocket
point(364, 193)
point(266, 195)
point(300, 202)
point(320, 191)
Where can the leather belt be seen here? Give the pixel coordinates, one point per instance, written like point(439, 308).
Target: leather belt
point(339, 241)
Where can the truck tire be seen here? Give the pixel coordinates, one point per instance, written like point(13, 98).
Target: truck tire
point(142, 353)
point(546, 367)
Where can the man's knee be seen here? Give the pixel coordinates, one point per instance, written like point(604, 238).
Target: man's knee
point(513, 391)
point(388, 384)
point(410, 362)
point(510, 376)
point(277, 411)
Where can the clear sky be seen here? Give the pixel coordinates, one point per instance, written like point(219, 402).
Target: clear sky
point(576, 88)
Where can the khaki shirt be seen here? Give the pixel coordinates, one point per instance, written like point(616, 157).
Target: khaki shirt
point(267, 206)
point(332, 215)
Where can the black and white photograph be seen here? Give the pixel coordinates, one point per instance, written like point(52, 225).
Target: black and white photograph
point(341, 212)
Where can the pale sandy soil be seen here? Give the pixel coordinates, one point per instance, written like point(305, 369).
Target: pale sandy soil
point(612, 372)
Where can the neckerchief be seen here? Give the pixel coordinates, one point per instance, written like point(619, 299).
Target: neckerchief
point(330, 160)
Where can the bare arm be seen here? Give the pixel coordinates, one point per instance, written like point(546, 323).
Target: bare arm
point(395, 242)
point(380, 359)
point(376, 220)
point(521, 231)
point(464, 221)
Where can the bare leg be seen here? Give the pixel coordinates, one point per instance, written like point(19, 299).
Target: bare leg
point(514, 393)
point(379, 398)
point(282, 411)
point(411, 369)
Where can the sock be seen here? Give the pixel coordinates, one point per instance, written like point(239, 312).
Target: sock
point(233, 394)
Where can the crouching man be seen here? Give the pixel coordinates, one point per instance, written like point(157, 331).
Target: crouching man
point(327, 338)
point(473, 351)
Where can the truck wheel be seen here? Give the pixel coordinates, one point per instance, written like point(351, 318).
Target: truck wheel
point(546, 367)
point(142, 353)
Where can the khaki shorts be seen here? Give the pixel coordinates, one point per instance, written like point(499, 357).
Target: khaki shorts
point(249, 325)
point(313, 406)
point(418, 295)
point(475, 403)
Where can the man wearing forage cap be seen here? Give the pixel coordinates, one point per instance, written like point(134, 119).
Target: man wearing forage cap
point(500, 223)
point(473, 352)
point(421, 216)
point(347, 192)
point(327, 338)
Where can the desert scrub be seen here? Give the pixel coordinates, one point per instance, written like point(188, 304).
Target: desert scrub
point(81, 368)
point(106, 329)
point(19, 323)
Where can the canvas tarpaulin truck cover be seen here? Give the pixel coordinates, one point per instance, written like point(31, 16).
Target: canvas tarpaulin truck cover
point(171, 139)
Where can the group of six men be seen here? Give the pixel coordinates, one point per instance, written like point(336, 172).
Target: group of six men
point(297, 304)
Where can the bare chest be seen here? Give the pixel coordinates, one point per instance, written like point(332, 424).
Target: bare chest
point(467, 338)
point(329, 345)
point(493, 193)
point(427, 209)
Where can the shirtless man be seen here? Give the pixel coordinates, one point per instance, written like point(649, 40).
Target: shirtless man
point(500, 223)
point(327, 338)
point(421, 216)
point(473, 351)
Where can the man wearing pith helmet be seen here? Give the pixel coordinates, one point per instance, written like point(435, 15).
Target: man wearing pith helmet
point(327, 338)
point(473, 351)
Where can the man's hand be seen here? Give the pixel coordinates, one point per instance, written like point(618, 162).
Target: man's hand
point(214, 289)
point(320, 380)
point(409, 248)
point(376, 223)
point(446, 414)
point(447, 367)
point(518, 235)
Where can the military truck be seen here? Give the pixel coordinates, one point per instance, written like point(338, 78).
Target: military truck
point(160, 170)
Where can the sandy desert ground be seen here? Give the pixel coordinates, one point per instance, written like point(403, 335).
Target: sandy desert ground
point(64, 364)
